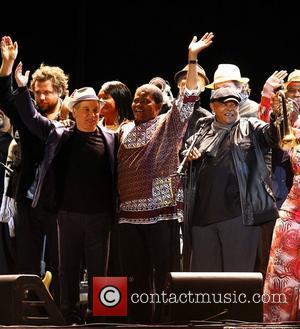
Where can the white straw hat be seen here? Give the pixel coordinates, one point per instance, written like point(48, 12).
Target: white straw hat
point(227, 72)
point(293, 77)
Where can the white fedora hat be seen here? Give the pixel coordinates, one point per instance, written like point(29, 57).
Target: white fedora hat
point(227, 72)
point(82, 94)
point(293, 77)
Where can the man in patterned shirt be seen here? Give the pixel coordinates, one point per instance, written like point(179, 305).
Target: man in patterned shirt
point(151, 198)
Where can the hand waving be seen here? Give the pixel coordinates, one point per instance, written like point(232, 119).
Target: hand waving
point(273, 83)
point(276, 79)
point(9, 49)
point(196, 47)
point(21, 79)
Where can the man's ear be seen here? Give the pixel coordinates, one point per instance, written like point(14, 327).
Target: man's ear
point(212, 106)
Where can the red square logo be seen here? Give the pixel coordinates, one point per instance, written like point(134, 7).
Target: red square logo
point(110, 296)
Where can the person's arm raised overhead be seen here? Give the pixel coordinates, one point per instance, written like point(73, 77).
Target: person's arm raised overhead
point(35, 122)
point(195, 48)
point(9, 52)
point(21, 79)
point(274, 82)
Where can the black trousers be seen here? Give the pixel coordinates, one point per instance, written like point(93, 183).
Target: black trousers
point(32, 225)
point(7, 251)
point(148, 253)
point(81, 234)
point(226, 246)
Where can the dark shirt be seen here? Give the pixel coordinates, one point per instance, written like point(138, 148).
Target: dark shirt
point(198, 113)
point(5, 139)
point(85, 177)
point(31, 148)
point(217, 198)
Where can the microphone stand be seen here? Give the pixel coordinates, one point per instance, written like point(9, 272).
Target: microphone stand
point(189, 150)
point(186, 250)
point(6, 167)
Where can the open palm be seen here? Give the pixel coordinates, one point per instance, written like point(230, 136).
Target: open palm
point(9, 49)
point(196, 46)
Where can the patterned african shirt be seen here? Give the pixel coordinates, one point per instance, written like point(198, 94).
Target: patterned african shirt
point(148, 158)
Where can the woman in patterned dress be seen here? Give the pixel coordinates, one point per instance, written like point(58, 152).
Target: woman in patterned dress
point(282, 284)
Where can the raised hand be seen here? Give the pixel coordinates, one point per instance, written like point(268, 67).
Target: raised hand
point(9, 52)
point(9, 49)
point(21, 79)
point(195, 47)
point(274, 82)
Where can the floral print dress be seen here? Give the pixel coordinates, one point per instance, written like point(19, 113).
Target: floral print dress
point(282, 284)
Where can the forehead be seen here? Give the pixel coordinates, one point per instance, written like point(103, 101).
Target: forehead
point(143, 93)
point(294, 84)
point(92, 104)
point(148, 93)
point(182, 78)
point(102, 93)
point(43, 85)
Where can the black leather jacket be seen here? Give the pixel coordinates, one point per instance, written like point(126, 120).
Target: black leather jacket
point(247, 135)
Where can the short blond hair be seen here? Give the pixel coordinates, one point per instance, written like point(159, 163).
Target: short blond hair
point(53, 73)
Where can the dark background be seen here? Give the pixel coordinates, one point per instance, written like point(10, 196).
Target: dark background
point(134, 41)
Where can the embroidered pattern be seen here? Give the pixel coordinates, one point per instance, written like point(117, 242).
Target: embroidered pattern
point(152, 220)
point(147, 160)
point(162, 191)
point(162, 196)
point(186, 105)
point(140, 135)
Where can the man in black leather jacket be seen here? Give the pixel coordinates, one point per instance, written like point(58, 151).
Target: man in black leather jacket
point(231, 186)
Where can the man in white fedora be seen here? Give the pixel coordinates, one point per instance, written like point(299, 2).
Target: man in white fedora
point(229, 75)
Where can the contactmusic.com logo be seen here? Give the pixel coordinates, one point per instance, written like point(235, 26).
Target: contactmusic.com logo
point(109, 296)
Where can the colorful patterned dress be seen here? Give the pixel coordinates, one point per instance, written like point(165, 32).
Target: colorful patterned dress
point(283, 273)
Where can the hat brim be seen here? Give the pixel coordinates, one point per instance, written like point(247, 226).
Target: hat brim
point(212, 85)
point(226, 99)
point(180, 73)
point(71, 104)
point(288, 82)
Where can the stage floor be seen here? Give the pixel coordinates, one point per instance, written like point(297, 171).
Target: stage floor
point(194, 324)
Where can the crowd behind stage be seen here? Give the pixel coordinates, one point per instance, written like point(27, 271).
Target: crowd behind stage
point(93, 182)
